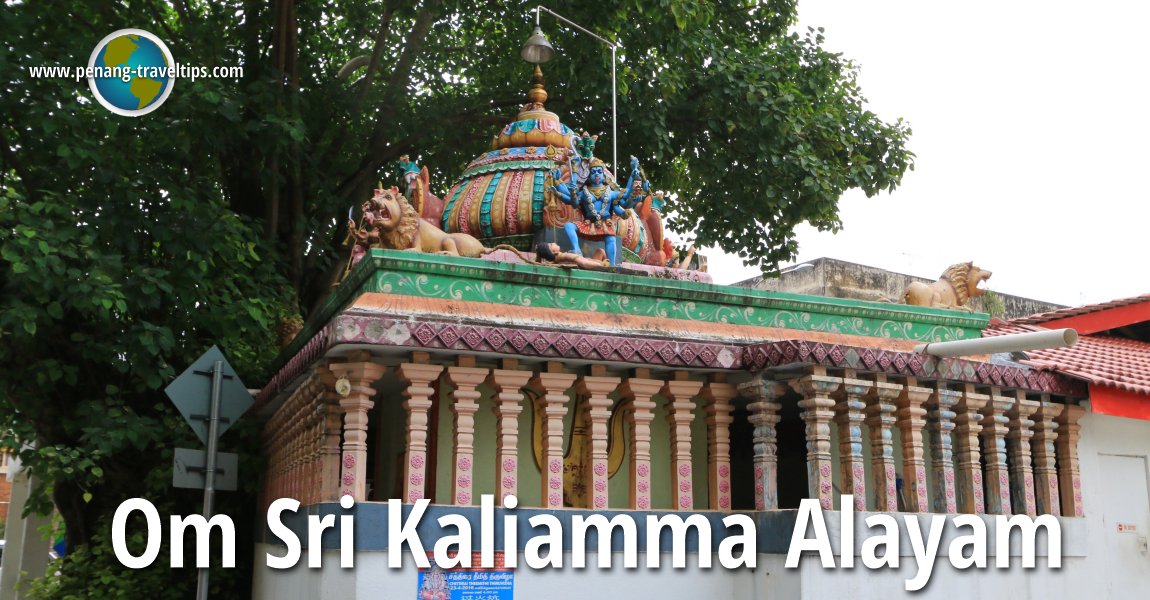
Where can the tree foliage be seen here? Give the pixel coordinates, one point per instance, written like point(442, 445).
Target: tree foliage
point(128, 246)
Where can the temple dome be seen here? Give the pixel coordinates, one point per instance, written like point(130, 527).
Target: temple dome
point(501, 192)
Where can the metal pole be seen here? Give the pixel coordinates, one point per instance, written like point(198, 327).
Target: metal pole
point(614, 124)
point(614, 93)
point(210, 468)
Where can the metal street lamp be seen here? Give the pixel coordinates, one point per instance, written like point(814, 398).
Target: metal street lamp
point(537, 50)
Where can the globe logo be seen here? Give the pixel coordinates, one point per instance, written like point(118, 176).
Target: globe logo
point(131, 72)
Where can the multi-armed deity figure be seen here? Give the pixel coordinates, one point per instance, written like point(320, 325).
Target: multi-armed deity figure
point(600, 205)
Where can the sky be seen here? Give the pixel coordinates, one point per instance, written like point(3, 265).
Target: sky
point(1032, 135)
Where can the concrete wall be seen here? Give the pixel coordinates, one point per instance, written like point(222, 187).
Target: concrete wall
point(835, 278)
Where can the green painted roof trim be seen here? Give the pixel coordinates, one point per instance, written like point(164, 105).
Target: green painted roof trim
point(437, 276)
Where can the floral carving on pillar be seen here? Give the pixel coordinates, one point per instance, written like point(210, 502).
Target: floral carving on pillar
point(717, 395)
point(552, 402)
point(1045, 465)
point(880, 420)
point(941, 415)
point(762, 395)
point(508, 384)
point(1066, 447)
point(637, 392)
point(680, 412)
point(911, 423)
point(355, 405)
point(1021, 430)
point(968, 455)
point(464, 404)
point(598, 407)
point(849, 416)
point(818, 412)
point(994, 429)
point(418, 376)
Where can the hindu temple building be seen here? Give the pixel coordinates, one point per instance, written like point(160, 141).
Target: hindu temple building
point(612, 391)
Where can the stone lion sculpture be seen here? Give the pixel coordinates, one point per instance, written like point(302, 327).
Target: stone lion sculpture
point(957, 285)
point(401, 228)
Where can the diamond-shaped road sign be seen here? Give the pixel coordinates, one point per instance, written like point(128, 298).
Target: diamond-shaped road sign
point(191, 392)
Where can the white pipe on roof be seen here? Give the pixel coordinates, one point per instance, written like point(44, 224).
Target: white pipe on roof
point(1015, 342)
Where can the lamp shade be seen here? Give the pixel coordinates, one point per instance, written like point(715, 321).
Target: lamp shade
point(537, 50)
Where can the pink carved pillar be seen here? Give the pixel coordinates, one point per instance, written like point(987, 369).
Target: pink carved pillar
point(508, 383)
point(994, 445)
point(941, 415)
point(1067, 448)
point(1045, 467)
point(553, 385)
point(418, 375)
point(679, 391)
point(1021, 430)
point(849, 417)
point(880, 419)
point(597, 386)
point(638, 391)
point(464, 404)
point(967, 428)
point(330, 429)
point(818, 412)
point(355, 404)
point(910, 423)
point(717, 394)
point(762, 394)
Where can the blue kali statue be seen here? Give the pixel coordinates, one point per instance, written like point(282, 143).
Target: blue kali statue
point(601, 206)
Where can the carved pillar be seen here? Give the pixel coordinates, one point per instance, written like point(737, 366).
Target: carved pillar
point(910, 424)
point(330, 432)
point(418, 376)
point(717, 394)
point(679, 392)
point(638, 390)
point(967, 428)
point(941, 415)
point(1067, 448)
point(464, 404)
point(818, 411)
point(355, 404)
point(508, 383)
point(994, 448)
point(597, 386)
point(849, 417)
point(1045, 468)
point(880, 419)
point(764, 417)
point(1021, 430)
point(553, 385)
